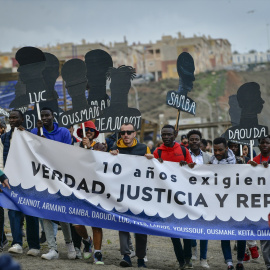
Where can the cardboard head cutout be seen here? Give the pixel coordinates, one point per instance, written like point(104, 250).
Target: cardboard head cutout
point(97, 63)
point(179, 100)
point(251, 104)
point(74, 74)
point(118, 113)
point(235, 115)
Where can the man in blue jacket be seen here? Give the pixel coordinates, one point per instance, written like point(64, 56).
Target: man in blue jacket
point(53, 132)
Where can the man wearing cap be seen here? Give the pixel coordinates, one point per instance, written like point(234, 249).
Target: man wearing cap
point(128, 144)
point(53, 132)
point(88, 142)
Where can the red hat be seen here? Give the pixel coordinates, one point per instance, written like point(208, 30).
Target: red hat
point(88, 124)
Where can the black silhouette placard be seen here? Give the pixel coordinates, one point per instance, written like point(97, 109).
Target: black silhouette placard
point(74, 75)
point(235, 115)
point(97, 64)
point(118, 113)
point(251, 104)
point(179, 99)
point(32, 63)
point(50, 75)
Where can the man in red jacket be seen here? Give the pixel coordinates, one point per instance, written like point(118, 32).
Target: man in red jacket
point(173, 151)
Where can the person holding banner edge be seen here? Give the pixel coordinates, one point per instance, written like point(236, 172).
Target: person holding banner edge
point(199, 157)
point(88, 143)
point(32, 224)
point(173, 151)
point(223, 155)
point(129, 145)
point(51, 131)
point(264, 158)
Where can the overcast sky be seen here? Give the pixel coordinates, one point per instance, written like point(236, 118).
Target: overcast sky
point(42, 22)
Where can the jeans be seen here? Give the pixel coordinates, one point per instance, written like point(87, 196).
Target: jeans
point(49, 232)
point(32, 229)
point(203, 248)
point(227, 253)
point(178, 250)
point(55, 227)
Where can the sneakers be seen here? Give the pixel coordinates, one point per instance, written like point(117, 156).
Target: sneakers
point(126, 262)
point(51, 255)
point(78, 253)
point(141, 263)
point(87, 251)
point(240, 266)
point(71, 251)
point(16, 248)
point(188, 264)
point(254, 253)
point(246, 257)
point(204, 264)
point(33, 252)
point(98, 258)
point(194, 253)
point(42, 239)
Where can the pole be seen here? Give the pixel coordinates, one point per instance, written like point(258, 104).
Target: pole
point(241, 150)
point(177, 121)
point(39, 118)
point(84, 134)
point(251, 150)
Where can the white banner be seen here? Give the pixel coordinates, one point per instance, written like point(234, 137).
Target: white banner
point(123, 183)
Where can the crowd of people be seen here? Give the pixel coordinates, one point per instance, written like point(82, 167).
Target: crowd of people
point(192, 150)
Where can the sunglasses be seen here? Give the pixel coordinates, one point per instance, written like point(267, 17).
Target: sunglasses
point(129, 132)
point(88, 129)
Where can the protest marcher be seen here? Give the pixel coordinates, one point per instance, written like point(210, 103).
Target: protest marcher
point(3, 239)
point(263, 158)
point(199, 157)
point(251, 244)
point(51, 131)
point(223, 155)
point(245, 150)
point(184, 140)
point(129, 145)
point(235, 147)
point(203, 145)
point(173, 151)
point(3, 127)
point(91, 133)
point(32, 225)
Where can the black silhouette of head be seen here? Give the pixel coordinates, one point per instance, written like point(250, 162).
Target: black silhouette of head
point(121, 78)
point(32, 62)
point(97, 63)
point(74, 74)
point(185, 69)
point(249, 98)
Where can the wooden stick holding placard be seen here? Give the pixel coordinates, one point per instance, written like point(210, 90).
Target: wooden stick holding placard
point(84, 134)
point(241, 150)
point(177, 122)
point(39, 117)
point(251, 150)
